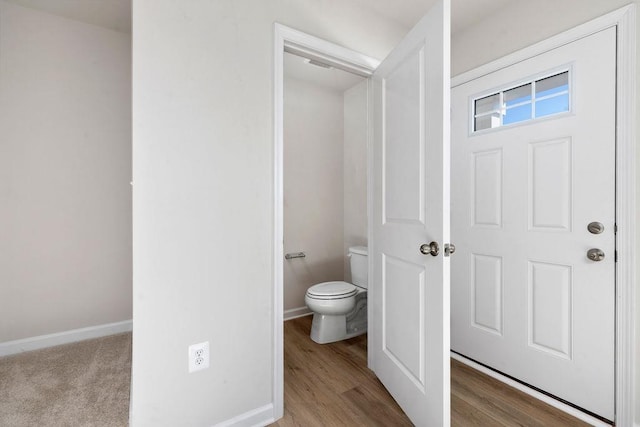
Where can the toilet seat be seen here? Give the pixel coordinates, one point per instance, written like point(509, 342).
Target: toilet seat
point(332, 290)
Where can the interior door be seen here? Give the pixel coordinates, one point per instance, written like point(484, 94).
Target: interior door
point(531, 296)
point(409, 290)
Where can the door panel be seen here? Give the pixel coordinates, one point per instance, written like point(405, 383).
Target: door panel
point(487, 188)
point(526, 300)
point(550, 198)
point(550, 291)
point(403, 336)
point(409, 291)
point(486, 288)
point(403, 167)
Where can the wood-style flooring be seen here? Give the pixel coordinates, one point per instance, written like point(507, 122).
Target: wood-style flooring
point(330, 385)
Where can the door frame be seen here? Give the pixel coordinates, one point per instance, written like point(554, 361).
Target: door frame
point(626, 244)
point(287, 39)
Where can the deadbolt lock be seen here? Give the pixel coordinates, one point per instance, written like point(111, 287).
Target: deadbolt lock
point(595, 227)
point(449, 249)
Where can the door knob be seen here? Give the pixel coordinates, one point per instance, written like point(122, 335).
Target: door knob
point(595, 254)
point(432, 249)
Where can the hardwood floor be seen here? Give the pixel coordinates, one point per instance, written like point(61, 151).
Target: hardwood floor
point(330, 385)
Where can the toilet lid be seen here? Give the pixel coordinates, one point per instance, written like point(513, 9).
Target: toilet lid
point(332, 290)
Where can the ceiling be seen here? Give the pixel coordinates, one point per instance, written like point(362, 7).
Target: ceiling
point(112, 14)
point(116, 14)
point(463, 12)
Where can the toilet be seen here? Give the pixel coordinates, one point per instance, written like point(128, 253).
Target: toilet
point(340, 308)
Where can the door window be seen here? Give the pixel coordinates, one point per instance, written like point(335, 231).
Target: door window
point(541, 97)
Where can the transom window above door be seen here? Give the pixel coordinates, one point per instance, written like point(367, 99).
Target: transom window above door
point(540, 97)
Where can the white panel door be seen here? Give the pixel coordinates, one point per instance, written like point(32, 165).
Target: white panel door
point(526, 300)
point(409, 291)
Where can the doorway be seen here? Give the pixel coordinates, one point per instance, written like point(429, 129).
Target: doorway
point(622, 21)
point(309, 47)
point(324, 164)
point(533, 284)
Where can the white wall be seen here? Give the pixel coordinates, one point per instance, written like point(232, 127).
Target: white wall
point(355, 170)
point(520, 25)
point(313, 188)
point(65, 168)
point(203, 195)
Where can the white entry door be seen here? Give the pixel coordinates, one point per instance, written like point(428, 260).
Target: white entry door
point(409, 290)
point(533, 149)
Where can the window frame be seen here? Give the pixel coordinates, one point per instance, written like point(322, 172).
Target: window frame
point(532, 79)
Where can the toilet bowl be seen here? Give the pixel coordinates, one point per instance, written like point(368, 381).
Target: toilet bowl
point(340, 308)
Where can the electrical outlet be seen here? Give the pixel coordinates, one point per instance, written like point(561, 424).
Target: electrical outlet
point(199, 356)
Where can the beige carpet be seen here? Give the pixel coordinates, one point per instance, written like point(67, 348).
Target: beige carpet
point(80, 384)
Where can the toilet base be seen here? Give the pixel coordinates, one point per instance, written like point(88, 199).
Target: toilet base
point(327, 328)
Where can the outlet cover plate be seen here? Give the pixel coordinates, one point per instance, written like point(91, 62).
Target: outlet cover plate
point(199, 356)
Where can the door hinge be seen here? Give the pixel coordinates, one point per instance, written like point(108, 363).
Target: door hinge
point(615, 256)
point(615, 228)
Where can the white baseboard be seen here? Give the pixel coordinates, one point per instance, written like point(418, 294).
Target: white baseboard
point(296, 312)
point(258, 417)
point(531, 392)
point(66, 337)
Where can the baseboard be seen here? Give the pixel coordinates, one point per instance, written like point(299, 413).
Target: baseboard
point(258, 417)
point(531, 392)
point(296, 312)
point(43, 341)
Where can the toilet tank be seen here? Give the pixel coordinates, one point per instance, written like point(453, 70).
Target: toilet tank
point(359, 266)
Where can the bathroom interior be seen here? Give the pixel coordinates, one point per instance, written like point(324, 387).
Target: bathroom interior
point(325, 176)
